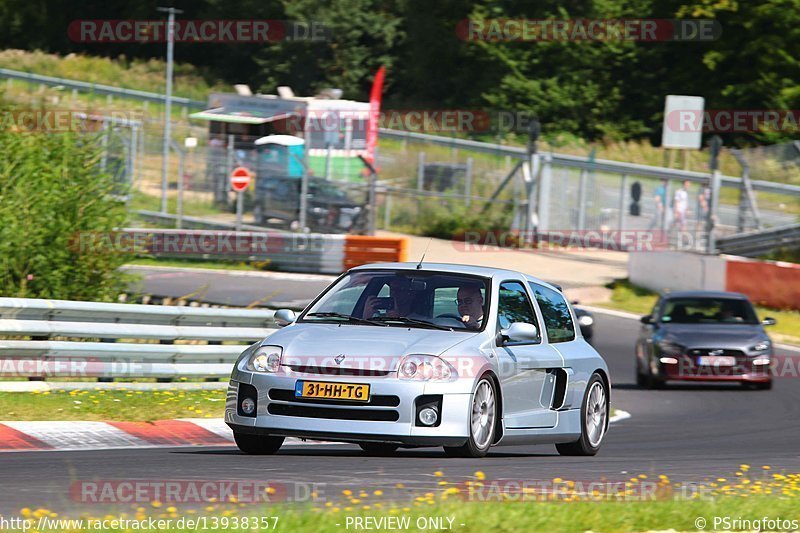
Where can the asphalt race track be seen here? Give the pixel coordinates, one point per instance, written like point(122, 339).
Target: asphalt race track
point(689, 433)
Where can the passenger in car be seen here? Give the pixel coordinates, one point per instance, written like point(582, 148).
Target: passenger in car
point(401, 296)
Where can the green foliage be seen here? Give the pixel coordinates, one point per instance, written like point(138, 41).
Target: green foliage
point(51, 193)
point(141, 74)
point(448, 221)
point(596, 90)
point(361, 35)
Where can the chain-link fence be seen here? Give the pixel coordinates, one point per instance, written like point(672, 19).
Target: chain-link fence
point(427, 184)
point(574, 194)
point(437, 186)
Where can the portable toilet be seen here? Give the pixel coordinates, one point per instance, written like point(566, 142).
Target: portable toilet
point(279, 156)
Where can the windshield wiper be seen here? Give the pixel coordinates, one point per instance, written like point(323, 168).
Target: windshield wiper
point(406, 321)
point(349, 318)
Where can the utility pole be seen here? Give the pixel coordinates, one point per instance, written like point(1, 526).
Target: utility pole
point(303, 222)
point(532, 166)
point(711, 221)
point(168, 101)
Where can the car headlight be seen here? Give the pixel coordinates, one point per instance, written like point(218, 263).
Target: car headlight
point(670, 348)
point(265, 359)
point(425, 368)
point(760, 347)
point(585, 320)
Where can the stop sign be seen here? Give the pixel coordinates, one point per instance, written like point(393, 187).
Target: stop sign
point(240, 179)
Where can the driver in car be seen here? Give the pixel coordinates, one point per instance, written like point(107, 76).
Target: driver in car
point(470, 306)
point(402, 296)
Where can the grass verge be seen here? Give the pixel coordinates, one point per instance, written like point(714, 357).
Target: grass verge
point(116, 405)
point(567, 516)
point(192, 207)
point(626, 296)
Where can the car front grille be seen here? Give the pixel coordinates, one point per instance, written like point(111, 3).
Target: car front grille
point(337, 371)
point(690, 366)
point(283, 402)
point(707, 351)
point(376, 400)
point(309, 411)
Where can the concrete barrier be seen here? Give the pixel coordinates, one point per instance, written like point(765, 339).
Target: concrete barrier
point(770, 283)
point(288, 252)
point(676, 271)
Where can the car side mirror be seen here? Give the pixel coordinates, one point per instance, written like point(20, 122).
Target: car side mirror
point(768, 321)
point(520, 332)
point(284, 317)
point(647, 319)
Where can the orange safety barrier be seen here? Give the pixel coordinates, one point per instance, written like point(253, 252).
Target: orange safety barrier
point(363, 249)
point(771, 283)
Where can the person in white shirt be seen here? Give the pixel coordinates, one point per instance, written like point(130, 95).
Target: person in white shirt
point(680, 206)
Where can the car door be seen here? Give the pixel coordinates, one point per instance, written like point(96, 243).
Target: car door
point(527, 384)
point(561, 328)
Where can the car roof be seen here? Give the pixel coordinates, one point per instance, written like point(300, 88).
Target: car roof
point(487, 272)
point(704, 294)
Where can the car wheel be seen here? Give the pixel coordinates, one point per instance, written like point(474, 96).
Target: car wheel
point(594, 420)
point(655, 382)
point(482, 419)
point(759, 386)
point(641, 378)
point(652, 380)
point(257, 444)
point(378, 448)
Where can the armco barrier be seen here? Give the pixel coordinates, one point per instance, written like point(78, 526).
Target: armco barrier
point(757, 243)
point(289, 252)
point(59, 338)
point(770, 283)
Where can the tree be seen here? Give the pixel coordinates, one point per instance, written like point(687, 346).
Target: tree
point(54, 200)
point(361, 35)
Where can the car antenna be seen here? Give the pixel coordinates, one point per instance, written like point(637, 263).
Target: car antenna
point(421, 259)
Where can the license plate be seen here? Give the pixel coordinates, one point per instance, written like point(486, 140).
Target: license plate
point(716, 360)
point(331, 391)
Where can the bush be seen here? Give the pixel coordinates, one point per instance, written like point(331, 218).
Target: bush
point(51, 190)
point(452, 222)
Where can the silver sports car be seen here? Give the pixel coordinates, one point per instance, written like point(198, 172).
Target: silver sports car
point(405, 354)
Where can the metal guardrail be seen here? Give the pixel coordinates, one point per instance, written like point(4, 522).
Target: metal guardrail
point(99, 88)
point(68, 310)
point(52, 342)
point(316, 253)
point(197, 222)
point(313, 253)
point(759, 243)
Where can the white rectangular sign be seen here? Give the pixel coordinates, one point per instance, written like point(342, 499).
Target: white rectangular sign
point(683, 122)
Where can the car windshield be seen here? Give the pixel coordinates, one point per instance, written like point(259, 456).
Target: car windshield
point(708, 311)
point(405, 298)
